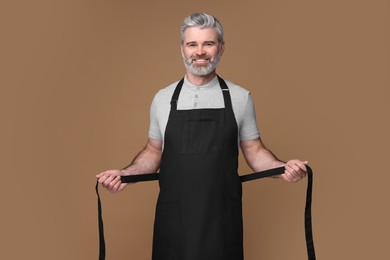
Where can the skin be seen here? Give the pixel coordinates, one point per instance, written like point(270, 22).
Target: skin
point(201, 45)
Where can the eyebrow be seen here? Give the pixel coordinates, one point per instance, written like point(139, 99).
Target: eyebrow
point(213, 42)
point(206, 42)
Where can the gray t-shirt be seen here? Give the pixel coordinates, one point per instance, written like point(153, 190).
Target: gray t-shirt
point(205, 96)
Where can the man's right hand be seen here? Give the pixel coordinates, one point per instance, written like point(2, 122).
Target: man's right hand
point(111, 180)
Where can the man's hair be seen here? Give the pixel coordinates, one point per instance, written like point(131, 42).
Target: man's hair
point(202, 21)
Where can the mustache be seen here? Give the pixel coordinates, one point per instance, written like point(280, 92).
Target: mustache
point(203, 57)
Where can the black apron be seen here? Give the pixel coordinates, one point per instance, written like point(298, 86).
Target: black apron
point(199, 209)
point(198, 213)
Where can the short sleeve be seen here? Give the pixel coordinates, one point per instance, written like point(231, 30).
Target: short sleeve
point(249, 129)
point(154, 129)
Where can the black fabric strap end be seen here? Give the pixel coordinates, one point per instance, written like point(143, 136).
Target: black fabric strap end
point(102, 244)
point(308, 218)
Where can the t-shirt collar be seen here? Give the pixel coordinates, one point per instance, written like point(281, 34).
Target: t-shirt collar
point(209, 84)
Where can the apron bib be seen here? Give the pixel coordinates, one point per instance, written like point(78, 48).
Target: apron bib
point(198, 213)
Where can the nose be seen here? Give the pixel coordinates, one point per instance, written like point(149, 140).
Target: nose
point(200, 50)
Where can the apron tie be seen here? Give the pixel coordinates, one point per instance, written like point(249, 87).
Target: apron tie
point(244, 178)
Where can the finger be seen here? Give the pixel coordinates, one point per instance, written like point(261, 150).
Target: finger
point(103, 174)
point(294, 162)
point(114, 182)
point(302, 166)
point(109, 179)
point(291, 169)
point(109, 172)
point(294, 173)
point(122, 186)
point(102, 178)
point(289, 173)
point(296, 167)
point(299, 167)
point(117, 186)
point(294, 176)
point(285, 177)
point(302, 170)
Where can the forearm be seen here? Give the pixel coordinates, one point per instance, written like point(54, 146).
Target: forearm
point(264, 159)
point(147, 161)
point(258, 157)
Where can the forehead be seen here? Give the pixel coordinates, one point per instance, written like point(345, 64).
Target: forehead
point(195, 34)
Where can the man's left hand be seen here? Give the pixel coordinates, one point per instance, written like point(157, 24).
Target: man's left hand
point(295, 170)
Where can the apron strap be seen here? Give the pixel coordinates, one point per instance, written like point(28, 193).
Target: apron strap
point(140, 177)
point(175, 96)
point(244, 178)
point(226, 95)
point(308, 225)
point(124, 179)
point(102, 243)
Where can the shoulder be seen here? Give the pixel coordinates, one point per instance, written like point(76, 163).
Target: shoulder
point(237, 92)
point(166, 92)
point(236, 88)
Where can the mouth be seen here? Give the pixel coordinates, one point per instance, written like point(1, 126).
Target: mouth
point(200, 61)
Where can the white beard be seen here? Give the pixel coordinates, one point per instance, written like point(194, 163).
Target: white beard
point(201, 70)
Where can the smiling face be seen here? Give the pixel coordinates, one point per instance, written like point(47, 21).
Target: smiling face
point(201, 51)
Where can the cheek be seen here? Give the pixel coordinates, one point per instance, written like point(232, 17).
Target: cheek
point(186, 54)
point(213, 52)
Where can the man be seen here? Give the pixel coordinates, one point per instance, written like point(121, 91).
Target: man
point(196, 127)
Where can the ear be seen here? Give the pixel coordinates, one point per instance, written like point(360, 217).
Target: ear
point(222, 48)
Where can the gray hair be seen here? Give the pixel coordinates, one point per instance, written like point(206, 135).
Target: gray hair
point(201, 20)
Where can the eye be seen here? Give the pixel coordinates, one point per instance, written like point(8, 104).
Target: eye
point(209, 44)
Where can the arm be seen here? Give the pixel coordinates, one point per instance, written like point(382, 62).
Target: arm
point(259, 158)
point(147, 161)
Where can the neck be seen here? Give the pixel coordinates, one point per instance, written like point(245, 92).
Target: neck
point(200, 80)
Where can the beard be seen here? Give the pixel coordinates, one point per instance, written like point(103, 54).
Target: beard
point(201, 70)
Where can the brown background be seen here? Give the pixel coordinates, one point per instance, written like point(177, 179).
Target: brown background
point(77, 79)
